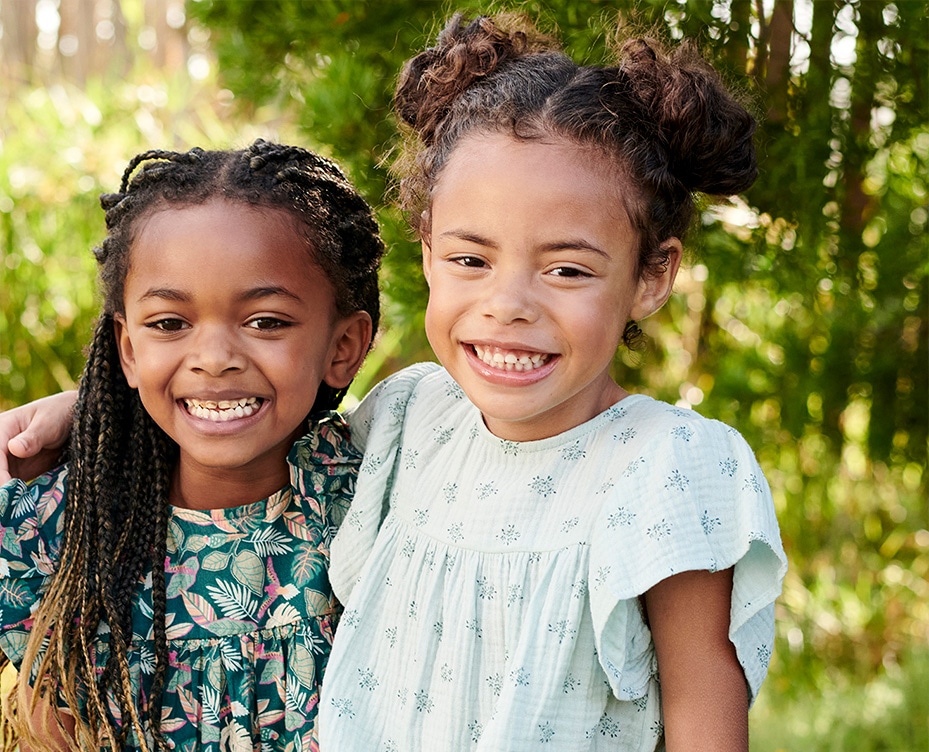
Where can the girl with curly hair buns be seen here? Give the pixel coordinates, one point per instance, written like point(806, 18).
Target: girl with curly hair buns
point(536, 559)
point(168, 587)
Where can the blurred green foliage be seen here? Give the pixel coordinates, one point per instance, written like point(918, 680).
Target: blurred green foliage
point(803, 319)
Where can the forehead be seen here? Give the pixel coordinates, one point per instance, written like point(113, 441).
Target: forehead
point(554, 179)
point(219, 243)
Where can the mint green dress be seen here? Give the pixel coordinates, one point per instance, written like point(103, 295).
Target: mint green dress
point(250, 610)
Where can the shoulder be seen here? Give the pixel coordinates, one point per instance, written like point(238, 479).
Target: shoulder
point(386, 405)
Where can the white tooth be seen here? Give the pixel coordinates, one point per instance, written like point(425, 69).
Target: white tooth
point(510, 358)
point(536, 359)
point(224, 404)
point(239, 411)
point(524, 359)
point(248, 410)
point(499, 358)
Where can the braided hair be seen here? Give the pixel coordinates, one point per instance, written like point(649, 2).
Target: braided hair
point(663, 118)
point(121, 462)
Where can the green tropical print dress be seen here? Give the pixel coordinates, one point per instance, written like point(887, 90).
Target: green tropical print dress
point(250, 610)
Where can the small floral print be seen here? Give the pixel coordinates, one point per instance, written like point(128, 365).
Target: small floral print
point(615, 412)
point(484, 490)
point(625, 436)
point(423, 703)
point(640, 703)
point(475, 729)
point(515, 595)
point(608, 727)
point(391, 746)
point(751, 482)
point(350, 618)
point(370, 464)
point(454, 391)
point(579, 589)
point(408, 548)
point(472, 433)
point(409, 458)
point(442, 435)
point(508, 535)
point(685, 433)
point(544, 487)
point(391, 634)
point(344, 706)
point(472, 625)
point(420, 517)
point(450, 491)
point(603, 574)
point(495, 682)
point(485, 589)
point(520, 677)
point(708, 523)
point(604, 487)
point(728, 466)
point(621, 517)
point(676, 480)
point(438, 627)
point(659, 531)
point(402, 696)
point(546, 732)
point(411, 613)
point(657, 728)
point(764, 654)
point(633, 467)
point(396, 409)
point(509, 447)
point(569, 525)
point(561, 629)
point(573, 452)
point(367, 679)
point(447, 673)
point(456, 531)
point(570, 684)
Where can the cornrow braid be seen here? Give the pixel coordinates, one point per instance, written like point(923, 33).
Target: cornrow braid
point(122, 464)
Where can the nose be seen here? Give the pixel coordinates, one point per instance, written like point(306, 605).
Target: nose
point(216, 351)
point(511, 297)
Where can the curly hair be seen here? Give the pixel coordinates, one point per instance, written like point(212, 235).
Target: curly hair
point(663, 117)
point(121, 462)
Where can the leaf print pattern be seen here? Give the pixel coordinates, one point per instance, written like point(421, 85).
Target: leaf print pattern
point(246, 587)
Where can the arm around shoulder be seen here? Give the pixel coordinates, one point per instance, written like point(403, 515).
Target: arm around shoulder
point(32, 436)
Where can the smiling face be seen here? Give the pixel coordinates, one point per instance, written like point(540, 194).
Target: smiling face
point(229, 329)
point(531, 263)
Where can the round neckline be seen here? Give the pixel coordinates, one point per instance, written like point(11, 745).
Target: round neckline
point(616, 410)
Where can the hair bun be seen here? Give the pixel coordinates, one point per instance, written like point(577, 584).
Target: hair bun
point(707, 133)
point(464, 52)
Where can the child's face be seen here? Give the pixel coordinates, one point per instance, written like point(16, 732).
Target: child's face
point(229, 329)
point(531, 257)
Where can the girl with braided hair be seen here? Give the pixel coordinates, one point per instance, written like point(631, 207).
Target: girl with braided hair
point(168, 588)
point(534, 558)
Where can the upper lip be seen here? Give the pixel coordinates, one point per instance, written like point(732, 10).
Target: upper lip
point(511, 346)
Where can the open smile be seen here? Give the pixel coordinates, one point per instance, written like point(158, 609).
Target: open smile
point(222, 411)
point(510, 360)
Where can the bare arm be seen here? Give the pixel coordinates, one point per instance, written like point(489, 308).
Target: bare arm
point(31, 436)
point(704, 694)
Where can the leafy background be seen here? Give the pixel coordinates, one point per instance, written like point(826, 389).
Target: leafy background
point(801, 320)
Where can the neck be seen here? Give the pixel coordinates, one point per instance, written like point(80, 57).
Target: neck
point(197, 487)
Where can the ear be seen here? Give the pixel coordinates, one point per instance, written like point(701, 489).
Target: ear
point(653, 291)
point(350, 344)
point(126, 351)
point(427, 258)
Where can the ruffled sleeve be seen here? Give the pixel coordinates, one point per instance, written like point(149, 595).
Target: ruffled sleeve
point(323, 468)
point(690, 496)
point(31, 525)
point(377, 426)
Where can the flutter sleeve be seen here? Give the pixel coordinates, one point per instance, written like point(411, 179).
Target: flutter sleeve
point(377, 426)
point(31, 524)
point(691, 497)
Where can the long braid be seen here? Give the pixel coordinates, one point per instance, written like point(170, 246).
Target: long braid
point(122, 464)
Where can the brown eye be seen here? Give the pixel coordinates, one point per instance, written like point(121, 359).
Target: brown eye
point(167, 325)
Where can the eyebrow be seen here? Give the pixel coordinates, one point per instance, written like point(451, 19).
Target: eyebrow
point(253, 293)
point(575, 244)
